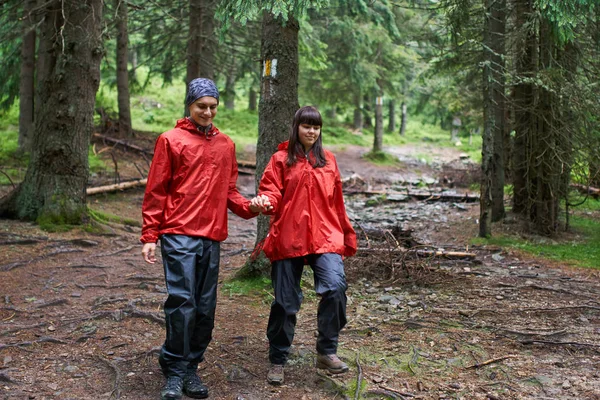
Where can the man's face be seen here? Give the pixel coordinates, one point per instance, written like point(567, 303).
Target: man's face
point(204, 110)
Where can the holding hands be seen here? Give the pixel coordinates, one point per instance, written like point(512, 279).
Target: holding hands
point(260, 204)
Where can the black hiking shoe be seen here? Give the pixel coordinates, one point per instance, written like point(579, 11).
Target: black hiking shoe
point(275, 374)
point(172, 389)
point(193, 386)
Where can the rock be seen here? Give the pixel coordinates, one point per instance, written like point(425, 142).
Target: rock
point(413, 303)
point(75, 294)
point(566, 384)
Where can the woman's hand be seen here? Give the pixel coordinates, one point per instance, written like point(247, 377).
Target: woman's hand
point(260, 204)
point(148, 252)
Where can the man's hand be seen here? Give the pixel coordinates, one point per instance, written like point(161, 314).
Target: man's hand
point(148, 251)
point(260, 204)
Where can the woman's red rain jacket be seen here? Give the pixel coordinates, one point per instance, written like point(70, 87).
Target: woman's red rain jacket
point(192, 182)
point(308, 206)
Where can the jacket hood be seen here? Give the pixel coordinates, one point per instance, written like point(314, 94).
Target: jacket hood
point(188, 125)
point(283, 145)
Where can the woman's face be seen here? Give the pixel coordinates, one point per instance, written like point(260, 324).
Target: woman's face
point(204, 110)
point(308, 135)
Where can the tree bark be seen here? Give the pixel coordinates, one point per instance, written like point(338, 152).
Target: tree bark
point(27, 78)
point(392, 116)
point(201, 44)
point(230, 91)
point(358, 113)
point(497, 27)
point(378, 136)
point(523, 107)
point(277, 106)
point(252, 99)
point(487, 150)
point(54, 186)
point(122, 71)
point(403, 119)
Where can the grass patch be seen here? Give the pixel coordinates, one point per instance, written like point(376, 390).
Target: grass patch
point(246, 287)
point(381, 158)
point(583, 250)
point(103, 217)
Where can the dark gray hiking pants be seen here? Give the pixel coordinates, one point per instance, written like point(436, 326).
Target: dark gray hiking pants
point(191, 267)
point(330, 285)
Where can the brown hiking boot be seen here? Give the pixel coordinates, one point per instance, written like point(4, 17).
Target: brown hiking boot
point(331, 363)
point(275, 374)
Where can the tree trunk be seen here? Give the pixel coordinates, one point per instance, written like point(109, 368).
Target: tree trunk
point(122, 73)
point(230, 91)
point(403, 119)
point(523, 107)
point(252, 100)
point(54, 186)
point(497, 27)
point(358, 113)
point(392, 116)
point(487, 150)
point(367, 109)
point(27, 79)
point(378, 136)
point(201, 44)
point(278, 104)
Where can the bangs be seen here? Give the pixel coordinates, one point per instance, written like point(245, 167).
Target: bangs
point(310, 116)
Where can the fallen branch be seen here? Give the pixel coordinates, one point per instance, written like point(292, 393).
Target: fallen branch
point(585, 189)
point(112, 253)
point(382, 392)
point(20, 328)
point(490, 361)
point(427, 196)
point(116, 187)
point(117, 385)
point(402, 394)
point(44, 339)
point(359, 377)
point(418, 253)
point(533, 341)
point(117, 142)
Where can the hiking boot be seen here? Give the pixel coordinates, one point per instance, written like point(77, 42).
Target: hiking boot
point(275, 374)
point(193, 386)
point(172, 389)
point(331, 363)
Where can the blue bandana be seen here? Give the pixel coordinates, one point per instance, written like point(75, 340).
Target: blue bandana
point(201, 87)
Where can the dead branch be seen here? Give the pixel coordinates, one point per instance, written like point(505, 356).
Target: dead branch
point(426, 196)
point(106, 286)
point(20, 328)
point(389, 394)
point(419, 253)
point(490, 361)
point(112, 253)
point(44, 339)
point(54, 303)
point(548, 334)
point(585, 189)
point(404, 394)
point(533, 341)
point(472, 313)
point(116, 187)
point(359, 376)
point(84, 266)
point(123, 143)
point(117, 385)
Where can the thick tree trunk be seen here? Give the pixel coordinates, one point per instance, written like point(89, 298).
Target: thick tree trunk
point(278, 104)
point(392, 116)
point(201, 44)
point(497, 27)
point(54, 186)
point(403, 119)
point(378, 136)
point(27, 78)
point(122, 72)
point(523, 107)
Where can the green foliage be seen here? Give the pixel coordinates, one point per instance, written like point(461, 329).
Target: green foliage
point(567, 15)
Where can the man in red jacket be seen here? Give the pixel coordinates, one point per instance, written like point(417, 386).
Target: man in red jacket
point(191, 184)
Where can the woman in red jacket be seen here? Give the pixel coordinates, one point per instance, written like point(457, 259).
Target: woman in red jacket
point(309, 226)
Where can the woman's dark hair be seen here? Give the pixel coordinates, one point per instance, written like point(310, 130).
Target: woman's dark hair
point(311, 116)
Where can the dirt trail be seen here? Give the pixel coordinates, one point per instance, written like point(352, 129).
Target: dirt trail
point(81, 315)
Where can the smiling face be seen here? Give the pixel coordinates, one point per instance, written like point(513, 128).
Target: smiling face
point(203, 110)
point(308, 135)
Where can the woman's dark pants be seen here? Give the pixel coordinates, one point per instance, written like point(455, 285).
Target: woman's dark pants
point(330, 285)
point(191, 267)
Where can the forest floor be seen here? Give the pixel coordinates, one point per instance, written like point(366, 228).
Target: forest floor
point(81, 313)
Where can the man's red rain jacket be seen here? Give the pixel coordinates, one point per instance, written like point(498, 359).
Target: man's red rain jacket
point(192, 182)
point(308, 206)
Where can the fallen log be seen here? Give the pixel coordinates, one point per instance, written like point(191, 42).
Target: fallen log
point(427, 196)
point(585, 189)
point(117, 186)
point(117, 142)
point(419, 253)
